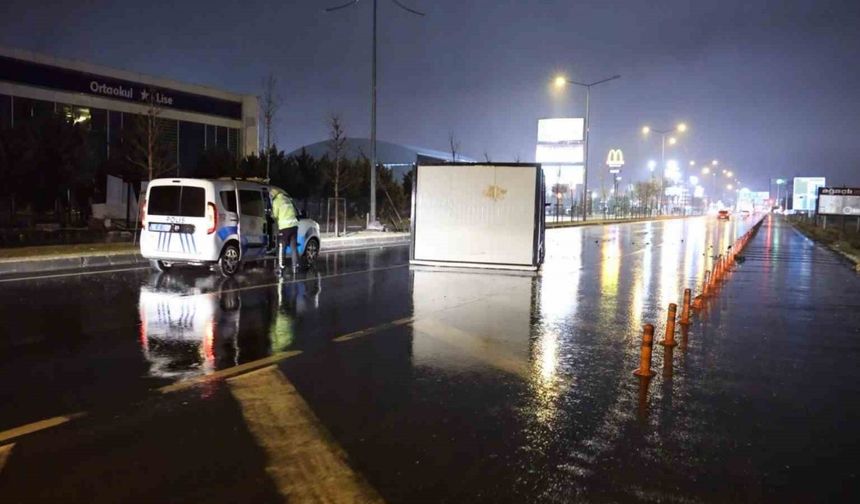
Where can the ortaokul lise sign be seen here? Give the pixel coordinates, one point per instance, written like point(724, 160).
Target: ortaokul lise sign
point(143, 94)
point(63, 79)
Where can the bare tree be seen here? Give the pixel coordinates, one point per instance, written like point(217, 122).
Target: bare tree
point(487, 157)
point(454, 145)
point(337, 146)
point(270, 102)
point(147, 147)
point(340, 172)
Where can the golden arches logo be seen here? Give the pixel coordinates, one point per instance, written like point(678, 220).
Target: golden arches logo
point(615, 158)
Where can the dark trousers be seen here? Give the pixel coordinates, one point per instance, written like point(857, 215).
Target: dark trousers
point(286, 237)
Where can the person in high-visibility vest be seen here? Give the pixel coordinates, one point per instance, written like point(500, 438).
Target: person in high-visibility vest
point(284, 213)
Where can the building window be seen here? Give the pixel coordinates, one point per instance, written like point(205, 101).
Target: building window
point(43, 109)
point(77, 115)
point(191, 144)
point(210, 137)
point(233, 145)
point(22, 110)
point(114, 129)
point(169, 129)
point(99, 134)
point(222, 137)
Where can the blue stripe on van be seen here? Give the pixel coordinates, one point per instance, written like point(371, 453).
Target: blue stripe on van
point(226, 231)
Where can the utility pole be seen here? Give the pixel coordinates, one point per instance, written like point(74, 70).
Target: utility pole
point(373, 161)
point(561, 81)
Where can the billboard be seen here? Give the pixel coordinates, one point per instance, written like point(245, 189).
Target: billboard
point(839, 201)
point(806, 193)
point(561, 129)
point(571, 154)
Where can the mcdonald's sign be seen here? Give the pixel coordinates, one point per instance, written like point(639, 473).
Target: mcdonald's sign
point(615, 158)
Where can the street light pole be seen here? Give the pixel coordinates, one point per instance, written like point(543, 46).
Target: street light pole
point(373, 126)
point(585, 168)
point(561, 81)
point(373, 161)
point(680, 128)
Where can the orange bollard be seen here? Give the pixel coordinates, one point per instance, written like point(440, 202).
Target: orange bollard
point(645, 352)
point(706, 288)
point(669, 339)
point(685, 307)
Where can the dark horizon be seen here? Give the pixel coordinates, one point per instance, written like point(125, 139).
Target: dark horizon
point(769, 91)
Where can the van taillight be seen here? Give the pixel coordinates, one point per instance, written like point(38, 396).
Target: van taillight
point(211, 217)
point(143, 213)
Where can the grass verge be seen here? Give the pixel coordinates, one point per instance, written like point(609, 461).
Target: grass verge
point(846, 243)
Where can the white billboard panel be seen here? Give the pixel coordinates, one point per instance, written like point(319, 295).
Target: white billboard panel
point(806, 193)
point(560, 153)
point(563, 174)
point(562, 129)
point(477, 215)
point(839, 201)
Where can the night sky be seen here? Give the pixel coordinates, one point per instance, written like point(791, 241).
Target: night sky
point(770, 88)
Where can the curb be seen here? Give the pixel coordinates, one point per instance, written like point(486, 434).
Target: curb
point(555, 225)
point(71, 263)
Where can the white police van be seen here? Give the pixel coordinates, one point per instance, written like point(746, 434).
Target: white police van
point(219, 223)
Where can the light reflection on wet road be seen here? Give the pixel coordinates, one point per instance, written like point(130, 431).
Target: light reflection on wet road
point(500, 387)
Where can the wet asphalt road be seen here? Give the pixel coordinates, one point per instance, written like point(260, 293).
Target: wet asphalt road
point(443, 386)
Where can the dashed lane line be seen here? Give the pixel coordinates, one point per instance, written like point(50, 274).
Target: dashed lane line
point(303, 460)
point(5, 451)
point(228, 372)
point(373, 330)
point(30, 428)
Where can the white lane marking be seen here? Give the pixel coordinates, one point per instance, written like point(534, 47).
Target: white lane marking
point(79, 273)
point(303, 460)
point(228, 372)
point(296, 280)
point(120, 270)
point(5, 451)
point(38, 426)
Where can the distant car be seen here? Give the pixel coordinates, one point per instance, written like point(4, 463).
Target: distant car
point(745, 213)
point(723, 215)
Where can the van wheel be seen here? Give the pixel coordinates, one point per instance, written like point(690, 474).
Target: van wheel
point(161, 266)
point(312, 250)
point(230, 260)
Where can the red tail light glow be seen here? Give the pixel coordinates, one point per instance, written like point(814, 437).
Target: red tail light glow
point(211, 217)
point(143, 212)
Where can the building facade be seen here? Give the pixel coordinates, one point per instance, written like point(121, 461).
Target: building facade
point(193, 118)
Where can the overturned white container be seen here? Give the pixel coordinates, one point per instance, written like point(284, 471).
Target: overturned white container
point(478, 215)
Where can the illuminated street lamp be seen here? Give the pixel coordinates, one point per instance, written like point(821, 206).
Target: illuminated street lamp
point(560, 82)
point(679, 128)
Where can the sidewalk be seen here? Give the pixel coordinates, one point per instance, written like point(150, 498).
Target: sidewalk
point(29, 260)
